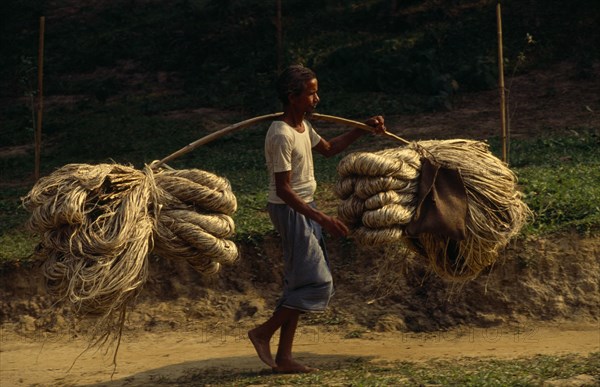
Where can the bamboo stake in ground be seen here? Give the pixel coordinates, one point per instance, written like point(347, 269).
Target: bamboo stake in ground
point(279, 28)
point(504, 133)
point(40, 109)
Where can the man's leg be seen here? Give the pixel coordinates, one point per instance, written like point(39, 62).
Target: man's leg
point(261, 335)
point(284, 360)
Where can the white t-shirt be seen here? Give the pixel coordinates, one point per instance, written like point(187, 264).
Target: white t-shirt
point(288, 150)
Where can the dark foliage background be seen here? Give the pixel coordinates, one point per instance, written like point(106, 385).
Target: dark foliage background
point(225, 50)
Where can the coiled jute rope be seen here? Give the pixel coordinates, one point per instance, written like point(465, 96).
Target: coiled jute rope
point(378, 193)
point(98, 224)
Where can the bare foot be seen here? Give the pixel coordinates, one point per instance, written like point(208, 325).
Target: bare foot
point(262, 348)
point(292, 367)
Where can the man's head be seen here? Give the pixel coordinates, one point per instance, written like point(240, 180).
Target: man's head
point(293, 81)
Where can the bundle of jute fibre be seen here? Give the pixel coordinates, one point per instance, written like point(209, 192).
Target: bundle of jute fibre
point(378, 192)
point(99, 223)
point(451, 201)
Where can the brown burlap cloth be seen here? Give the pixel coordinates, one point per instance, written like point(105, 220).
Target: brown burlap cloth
point(441, 202)
point(441, 209)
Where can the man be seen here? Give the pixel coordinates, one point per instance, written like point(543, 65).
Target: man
point(308, 284)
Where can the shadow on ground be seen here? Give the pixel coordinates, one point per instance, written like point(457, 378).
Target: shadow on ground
point(226, 370)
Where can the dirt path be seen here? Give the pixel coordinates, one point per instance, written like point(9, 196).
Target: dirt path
point(149, 358)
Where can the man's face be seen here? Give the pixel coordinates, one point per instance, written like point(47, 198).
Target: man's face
point(308, 100)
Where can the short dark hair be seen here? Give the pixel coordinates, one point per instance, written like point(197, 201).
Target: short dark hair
point(293, 80)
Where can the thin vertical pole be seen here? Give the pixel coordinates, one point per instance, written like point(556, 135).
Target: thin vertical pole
point(504, 133)
point(279, 27)
point(40, 108)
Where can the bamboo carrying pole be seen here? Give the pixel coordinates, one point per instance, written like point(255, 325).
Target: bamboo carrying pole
point(504, 132)
point(355, 124)
point(213, 136)
point(252, 121)
point(40, 107)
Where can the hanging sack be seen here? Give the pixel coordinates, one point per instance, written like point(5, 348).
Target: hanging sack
point(442, 203)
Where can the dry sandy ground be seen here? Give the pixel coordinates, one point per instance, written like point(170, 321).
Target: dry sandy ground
point(146, 359)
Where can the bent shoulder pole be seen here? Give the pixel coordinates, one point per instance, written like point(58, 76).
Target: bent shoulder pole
point(253, 121)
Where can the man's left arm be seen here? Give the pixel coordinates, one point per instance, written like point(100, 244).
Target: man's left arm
point(343, 141)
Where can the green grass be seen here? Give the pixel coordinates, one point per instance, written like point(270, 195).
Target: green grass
point(16, 243)
point(560, 176)
point(564, 196)
point(361, 372)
